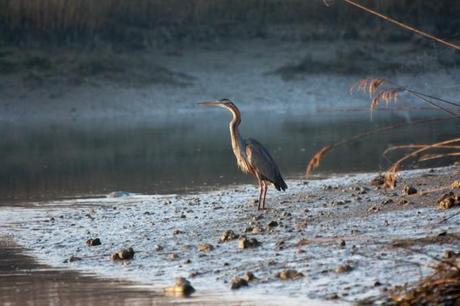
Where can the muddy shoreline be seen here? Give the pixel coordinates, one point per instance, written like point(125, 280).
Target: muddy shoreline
point(24, 281)
point(319, 228)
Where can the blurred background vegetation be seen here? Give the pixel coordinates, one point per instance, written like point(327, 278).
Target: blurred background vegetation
point(139, 23)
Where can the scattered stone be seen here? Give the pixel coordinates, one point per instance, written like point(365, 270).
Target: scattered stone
point(286, 214)
point(279, 245)
point(228, 235)
point(449, 200)
point(378, 181)
point(302, 242)
point(123, 254)
point(455, 185)
point(249, 277)
point(72, 259)
point(360, 189)
point(158, 247)
point(93, 242)
point(289, 275)
point(177, 232)
point(205, 247)
point(182, 287)
point(373, 208)
point(173, 256)
point(245, 243)
point(449, 254)
point(332, 296)
point(342, 243)
point(258, 217)
point(343, 268)
point(443, 233)
point(272, 224)
point(387, 201)
point(237, 283)
point(257, 230)
point(408, 190)
point(403, 202)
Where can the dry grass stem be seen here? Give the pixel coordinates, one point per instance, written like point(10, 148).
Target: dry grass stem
point(403, 25)
point(440, 288)
point(390, 175)
point(437, 156)
point(315, 161)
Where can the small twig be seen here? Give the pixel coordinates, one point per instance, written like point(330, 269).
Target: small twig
point(314, 162)
point(433, 104)
point(402, 25)
point(438, 156)
point(414, 146)
point(448, 218)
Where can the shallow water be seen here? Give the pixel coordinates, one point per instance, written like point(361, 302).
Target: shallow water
point(173, 153)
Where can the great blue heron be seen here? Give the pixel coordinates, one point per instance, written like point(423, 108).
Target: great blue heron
point(251, 156)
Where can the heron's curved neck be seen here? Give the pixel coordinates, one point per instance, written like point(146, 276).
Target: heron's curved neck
point(237, 141)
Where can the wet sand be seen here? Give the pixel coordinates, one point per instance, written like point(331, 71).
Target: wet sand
point(26, 282)
point(384, 242)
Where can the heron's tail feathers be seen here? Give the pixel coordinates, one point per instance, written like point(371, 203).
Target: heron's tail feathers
point(280, 184)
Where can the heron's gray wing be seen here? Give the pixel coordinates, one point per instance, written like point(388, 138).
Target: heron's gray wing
point(261, 160)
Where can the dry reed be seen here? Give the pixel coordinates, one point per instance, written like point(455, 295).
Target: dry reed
point(390, 92)
point(442, 287)
point(390, 174)
point(315, 161)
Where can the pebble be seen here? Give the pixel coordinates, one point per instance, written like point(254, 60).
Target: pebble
point(249, 277)
point(448, 200)
point(205, 247)
point(448, 254)
point(245, 243)
point(93, 242)
point(72, 259)
point(182, 287)
point(228, 235)
point(343, 268)
point(289, 275)
point(123, 254)
point(408, 190)
point(237, 283)
point(173, 256)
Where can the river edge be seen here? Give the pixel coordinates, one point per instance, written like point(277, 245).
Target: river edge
point(331, 210)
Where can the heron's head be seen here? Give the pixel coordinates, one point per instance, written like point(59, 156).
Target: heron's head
point(222, 103)
point(225, 103)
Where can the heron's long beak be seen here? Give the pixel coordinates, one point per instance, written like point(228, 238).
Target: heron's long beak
point(211, 103)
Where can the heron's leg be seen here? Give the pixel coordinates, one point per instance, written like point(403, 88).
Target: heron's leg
point(261, 184)
point(264, 193)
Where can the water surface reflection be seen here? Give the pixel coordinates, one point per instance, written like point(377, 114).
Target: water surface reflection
point(185, 151)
